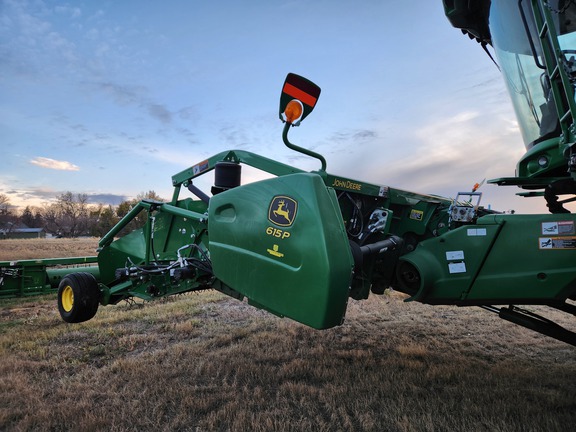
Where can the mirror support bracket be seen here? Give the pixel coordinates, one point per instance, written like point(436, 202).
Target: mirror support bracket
point(300, 149)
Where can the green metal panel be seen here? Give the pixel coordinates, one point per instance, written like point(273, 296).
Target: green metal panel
point(113, 256)
point(174, 227)
point(281, 243)
point(447, 264)
point(533, 258)
point(501, 259)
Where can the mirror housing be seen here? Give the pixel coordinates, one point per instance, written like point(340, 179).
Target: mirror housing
point(298, 93)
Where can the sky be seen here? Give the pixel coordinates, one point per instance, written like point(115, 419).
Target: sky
point(111, 98)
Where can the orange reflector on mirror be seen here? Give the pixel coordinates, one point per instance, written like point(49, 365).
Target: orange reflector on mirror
point(293, 111)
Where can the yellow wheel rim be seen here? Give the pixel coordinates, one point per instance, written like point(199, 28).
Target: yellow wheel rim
point(67, 298)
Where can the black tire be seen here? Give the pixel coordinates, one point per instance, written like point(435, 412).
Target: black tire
point(78, 297)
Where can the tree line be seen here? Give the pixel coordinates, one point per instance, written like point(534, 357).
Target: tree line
point(71, 215)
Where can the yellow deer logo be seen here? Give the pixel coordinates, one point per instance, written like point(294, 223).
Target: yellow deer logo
point(282, 211)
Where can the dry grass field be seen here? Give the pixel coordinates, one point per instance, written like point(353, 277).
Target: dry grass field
point(47, 248)
point(204, 362)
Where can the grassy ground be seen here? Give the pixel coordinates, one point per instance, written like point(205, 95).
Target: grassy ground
point(47, 248)
point(204, 362)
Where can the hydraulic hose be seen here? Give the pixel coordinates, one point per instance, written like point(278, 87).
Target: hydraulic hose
point(375, 248)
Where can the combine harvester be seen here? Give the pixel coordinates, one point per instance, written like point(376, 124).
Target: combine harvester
point(300, 244)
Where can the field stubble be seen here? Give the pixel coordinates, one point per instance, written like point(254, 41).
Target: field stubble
point(47, 248)
point(204, 362)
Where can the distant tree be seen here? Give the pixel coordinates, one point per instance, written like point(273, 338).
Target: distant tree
point(150, 195)
point(32, 217)
point(8, 220)
point(38, 219)
point(5, 207)
point(125, 206)
point(107, 220)
point(68, 216)
point(27, 218)
point(103, 219)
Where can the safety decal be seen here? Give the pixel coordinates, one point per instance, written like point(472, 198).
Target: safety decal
point(201, 167)
point(417, 215)
point(557, 243)
point(476, 232)
point(282, 210)
point(558, 228)
point(454, 255)
point(457, 267)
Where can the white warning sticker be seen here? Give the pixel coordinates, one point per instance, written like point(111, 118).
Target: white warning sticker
point(558, 228)
point(475, 232)
point(454, 255)
point(458, 267)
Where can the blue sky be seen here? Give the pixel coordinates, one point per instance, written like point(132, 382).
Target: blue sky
point(111, 98)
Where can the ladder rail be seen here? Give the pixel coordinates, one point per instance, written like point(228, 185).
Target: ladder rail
point(554, 60)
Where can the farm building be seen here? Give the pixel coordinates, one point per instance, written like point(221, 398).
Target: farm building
point(22, 233)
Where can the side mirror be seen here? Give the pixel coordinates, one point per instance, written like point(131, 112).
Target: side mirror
point(298, 99)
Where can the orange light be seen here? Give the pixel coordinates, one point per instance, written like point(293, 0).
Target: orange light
point(293, 111)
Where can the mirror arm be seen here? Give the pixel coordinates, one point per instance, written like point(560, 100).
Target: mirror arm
point(300, 149)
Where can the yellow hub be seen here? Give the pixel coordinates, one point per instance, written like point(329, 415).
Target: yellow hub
point(67, 298)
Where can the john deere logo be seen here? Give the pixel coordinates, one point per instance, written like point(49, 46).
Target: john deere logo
point(282, 211)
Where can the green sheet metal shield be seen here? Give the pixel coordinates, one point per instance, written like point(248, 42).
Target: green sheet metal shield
point(281, 243)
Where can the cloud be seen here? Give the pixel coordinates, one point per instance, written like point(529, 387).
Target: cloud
point(159, 112)
point(122, 94)
point(35, 194)
point(31, 46)
point(457, 150)
point(54, 164)
point(22, 196)
point(125, 95)
point(353, 136)
point(72, 12)
point(234, 136)
point(187, 113)
point(106, 199)
point(441, 154)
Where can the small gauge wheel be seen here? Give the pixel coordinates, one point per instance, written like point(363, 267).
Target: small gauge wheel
point(78, 297)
